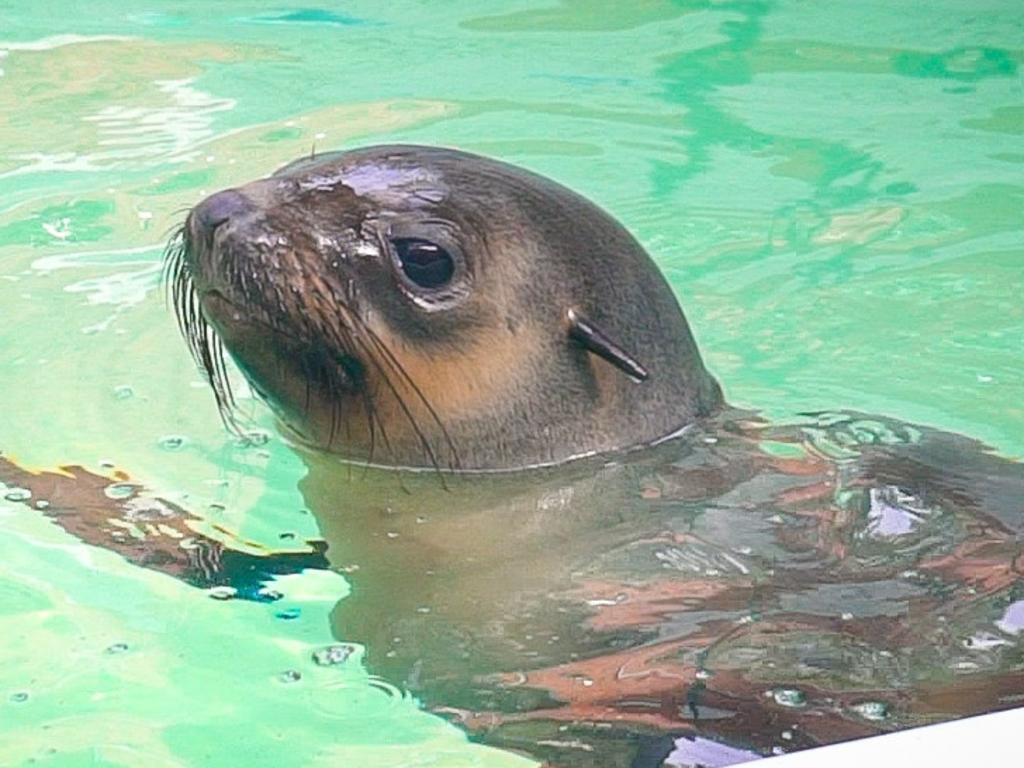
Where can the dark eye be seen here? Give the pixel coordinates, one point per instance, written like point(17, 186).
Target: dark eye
point(425, 263)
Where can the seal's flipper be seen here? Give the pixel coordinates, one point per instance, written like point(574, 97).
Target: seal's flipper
point(83, 504)
point(585, 333)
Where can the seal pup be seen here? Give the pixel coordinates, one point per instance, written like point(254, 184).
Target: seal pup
point(422, 307)
point(426, 308)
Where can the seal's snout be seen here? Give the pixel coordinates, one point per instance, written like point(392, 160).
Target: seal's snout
point(220, 208)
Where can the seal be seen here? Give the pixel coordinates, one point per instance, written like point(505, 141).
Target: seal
point(742, 589)
point(417, 307)
point(423, 307)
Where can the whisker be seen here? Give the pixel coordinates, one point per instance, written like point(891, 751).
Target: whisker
point(342, 338)
point(454, 462)
point(174, 256)
point(407, 412)
point(200, 337)
point(371, 430)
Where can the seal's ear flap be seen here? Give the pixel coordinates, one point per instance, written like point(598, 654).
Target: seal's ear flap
point(591, 338)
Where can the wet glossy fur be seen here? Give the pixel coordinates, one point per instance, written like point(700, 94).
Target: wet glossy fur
point(300, 285)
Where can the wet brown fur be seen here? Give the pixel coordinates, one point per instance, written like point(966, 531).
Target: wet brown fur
point(299, 286)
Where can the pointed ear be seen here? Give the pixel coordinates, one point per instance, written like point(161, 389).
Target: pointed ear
point(592, 339)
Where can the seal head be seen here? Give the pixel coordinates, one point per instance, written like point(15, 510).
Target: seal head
point(424, 307)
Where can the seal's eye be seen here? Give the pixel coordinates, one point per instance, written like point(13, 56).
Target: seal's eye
point(425, 263)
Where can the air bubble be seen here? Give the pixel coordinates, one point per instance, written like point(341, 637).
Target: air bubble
point(18, 494)
point(789, 697)
point(19, 698)
point(871, 710)
point(289, 614)
point(222, 593)
point(332, 655)
point(116, 648)
point(172, 442)
point(119, 491)
point(254, 438)
point(124, 392)
point(984, 641)
point(289, 676)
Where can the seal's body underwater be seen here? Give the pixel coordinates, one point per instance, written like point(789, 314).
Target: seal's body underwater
point(415, 306)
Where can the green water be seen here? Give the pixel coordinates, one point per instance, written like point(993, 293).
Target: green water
point(836, 191)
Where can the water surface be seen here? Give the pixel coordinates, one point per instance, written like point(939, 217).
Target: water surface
point(834, 190)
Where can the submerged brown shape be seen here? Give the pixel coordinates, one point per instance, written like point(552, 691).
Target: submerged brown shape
point(706, 588)
point(766, 604)
point(117, 514)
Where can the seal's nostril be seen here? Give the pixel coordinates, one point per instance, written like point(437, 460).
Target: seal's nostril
point(218, 208)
